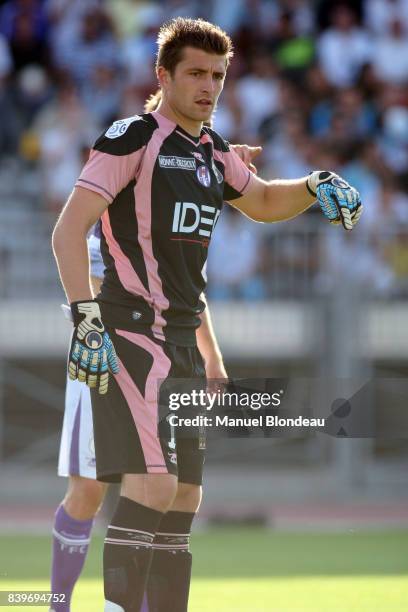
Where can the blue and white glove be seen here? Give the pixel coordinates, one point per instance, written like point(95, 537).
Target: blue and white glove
point(92, 353)
point(339, 201)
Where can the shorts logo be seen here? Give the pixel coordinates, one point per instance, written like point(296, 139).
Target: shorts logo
point(136, 315)
point(172, 457)
point(203, 175)
point(119, 127)
point(179, 163)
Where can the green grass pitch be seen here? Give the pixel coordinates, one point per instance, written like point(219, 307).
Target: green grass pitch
point(250, 570)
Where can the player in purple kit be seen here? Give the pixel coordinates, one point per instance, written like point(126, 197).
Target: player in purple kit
point(158, 182)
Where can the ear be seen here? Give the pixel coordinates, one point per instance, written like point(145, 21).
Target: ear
point(163, 77)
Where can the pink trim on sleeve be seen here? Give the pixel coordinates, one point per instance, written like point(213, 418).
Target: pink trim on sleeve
point(237, 174)
point(108, 174)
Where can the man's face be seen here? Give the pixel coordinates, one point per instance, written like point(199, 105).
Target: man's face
point(194, 87)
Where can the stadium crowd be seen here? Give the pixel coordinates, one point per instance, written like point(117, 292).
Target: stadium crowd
point(320, 84)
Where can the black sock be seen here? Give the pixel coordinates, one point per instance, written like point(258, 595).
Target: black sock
point(168, 586)
point(127, 553)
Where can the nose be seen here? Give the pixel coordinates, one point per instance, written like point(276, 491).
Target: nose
point(208, 85)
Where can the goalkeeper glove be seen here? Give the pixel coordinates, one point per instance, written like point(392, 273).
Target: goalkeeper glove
point(92, 353)
point(339, 201)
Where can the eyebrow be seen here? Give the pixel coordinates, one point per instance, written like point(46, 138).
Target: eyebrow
point(202, 71)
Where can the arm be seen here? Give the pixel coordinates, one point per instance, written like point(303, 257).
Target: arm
point(280, 200)
point(82, 210)
point(273, 201)
point(208, 346)
point(113, 162)
point(91, 353)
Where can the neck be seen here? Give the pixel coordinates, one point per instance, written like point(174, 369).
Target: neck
point(189, 125)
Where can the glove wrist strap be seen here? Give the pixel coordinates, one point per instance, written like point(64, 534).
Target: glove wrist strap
point(311, 182)
point(315, 178)
point(78, 313)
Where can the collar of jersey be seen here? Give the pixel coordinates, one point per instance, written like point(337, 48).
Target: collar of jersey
point(195, 139)
point(177, 128)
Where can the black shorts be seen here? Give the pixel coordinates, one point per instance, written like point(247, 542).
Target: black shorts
point(126, 432)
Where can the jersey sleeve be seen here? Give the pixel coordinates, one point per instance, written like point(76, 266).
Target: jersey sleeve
point(237, 177)
point(115, 158)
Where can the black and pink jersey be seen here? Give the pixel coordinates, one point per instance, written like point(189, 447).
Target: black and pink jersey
point(165, 190)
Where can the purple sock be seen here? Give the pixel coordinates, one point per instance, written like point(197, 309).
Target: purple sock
point(70, 545)
point(145, 605)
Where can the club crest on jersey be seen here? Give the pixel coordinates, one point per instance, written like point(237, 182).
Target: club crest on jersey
point(203, 175)
point(119, 127)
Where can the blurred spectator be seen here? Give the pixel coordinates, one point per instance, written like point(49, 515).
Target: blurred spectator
point(231, 19)
point(127, 16)
point(394, 138)
point(227, 118)
point(65, 17)
point(102, 94)
point(10, 127)
point(6, 62)
point(24, 24)
point(390, 59)
point(294, 52)
point(64, 130)
point(344, 48)
point(33, 91)
point(93, 45)
point(357, 118)
point(236, 243)
point(287, 150)
point(33, 10)
point(380, 14)
point(182, 8)
point(138, 52)
point(132, 101)
point(258, 93)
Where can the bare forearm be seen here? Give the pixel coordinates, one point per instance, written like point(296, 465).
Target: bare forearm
point(82, 210)
point(285, 199)
point(71, 253)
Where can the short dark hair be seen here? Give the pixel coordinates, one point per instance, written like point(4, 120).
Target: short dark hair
point(182, 32)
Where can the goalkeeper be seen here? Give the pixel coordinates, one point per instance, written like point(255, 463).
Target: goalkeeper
point(158, 182)
point(74, 517)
